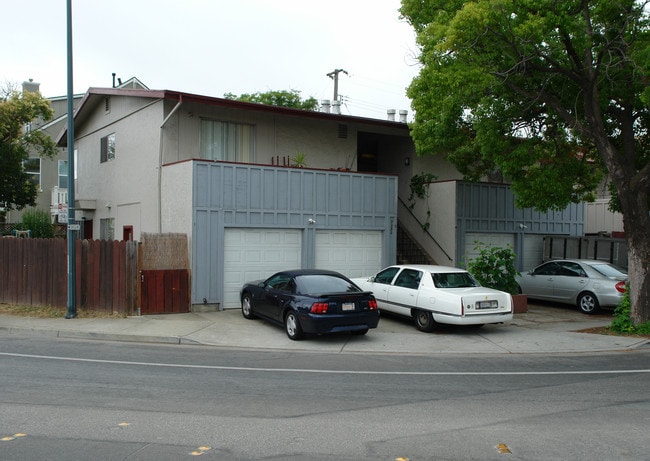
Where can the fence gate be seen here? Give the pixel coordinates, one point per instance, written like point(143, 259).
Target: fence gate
point(165, 291)
point(164, 274)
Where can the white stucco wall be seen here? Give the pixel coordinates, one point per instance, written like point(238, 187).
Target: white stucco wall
point(176, 203)
point(125, 188)
point(278, 137)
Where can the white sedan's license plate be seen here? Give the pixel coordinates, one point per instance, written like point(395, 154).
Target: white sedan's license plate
point(487, 305)
point(347, 306)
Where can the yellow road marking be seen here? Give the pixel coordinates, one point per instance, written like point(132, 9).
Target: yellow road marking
point(503, 449)
point(9, 438)
point(199, 451)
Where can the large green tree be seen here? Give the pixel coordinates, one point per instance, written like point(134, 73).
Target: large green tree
point(552, 93)
point(280, 98)
point(17, 141)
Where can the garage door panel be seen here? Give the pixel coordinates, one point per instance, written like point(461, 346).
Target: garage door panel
point(352, 253)
point(500, 240)
point(533, 251)
point(254, 254)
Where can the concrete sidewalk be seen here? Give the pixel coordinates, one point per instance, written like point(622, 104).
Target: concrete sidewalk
point(543, 329)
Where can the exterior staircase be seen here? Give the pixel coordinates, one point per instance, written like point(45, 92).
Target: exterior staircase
point(408, 251)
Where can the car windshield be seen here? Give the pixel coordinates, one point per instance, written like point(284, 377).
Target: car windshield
point(454, 280)
point(322, 283)
point(609, 270)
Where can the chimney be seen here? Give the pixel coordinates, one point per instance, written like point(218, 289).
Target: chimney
point(336, 107)
point(402, 115)
point(31, 86)
point(391, 115)
point(325, 106)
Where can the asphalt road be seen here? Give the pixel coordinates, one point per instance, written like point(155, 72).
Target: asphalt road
point(66, 399)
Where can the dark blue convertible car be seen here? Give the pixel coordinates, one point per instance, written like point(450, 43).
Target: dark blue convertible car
point(310, 301)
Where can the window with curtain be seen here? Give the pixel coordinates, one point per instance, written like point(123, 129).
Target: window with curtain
point(233, 142)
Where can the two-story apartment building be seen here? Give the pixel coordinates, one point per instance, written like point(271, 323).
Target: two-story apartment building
point(259, 188)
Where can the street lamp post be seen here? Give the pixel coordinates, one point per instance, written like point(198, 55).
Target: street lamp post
point(72, 286)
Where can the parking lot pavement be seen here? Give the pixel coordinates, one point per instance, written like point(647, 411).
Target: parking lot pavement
point(543, 329)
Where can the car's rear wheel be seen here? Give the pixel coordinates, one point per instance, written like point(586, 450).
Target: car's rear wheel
point(423, 320)
point(292, 326)
point(588, 303)
point(247, 306)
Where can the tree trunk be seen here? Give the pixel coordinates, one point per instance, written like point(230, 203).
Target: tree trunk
point(639, 286)
point(638, 242)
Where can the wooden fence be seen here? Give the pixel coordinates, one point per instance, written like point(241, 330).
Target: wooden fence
point(35, 272)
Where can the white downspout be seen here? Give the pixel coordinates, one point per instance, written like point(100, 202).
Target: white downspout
point(160, 159)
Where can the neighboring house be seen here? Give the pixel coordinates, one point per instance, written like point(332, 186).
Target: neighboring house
point(51, 175)
point(222, 172)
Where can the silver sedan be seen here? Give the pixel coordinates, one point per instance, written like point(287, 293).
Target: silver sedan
point(589, 284)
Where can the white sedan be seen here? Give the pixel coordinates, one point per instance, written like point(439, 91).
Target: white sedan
point(437, 294)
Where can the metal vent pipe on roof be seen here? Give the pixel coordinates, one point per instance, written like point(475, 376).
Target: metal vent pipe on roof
point(336, 107)
point(325, 106)
point(31, 86)
point(402, 115)
point(391, 114)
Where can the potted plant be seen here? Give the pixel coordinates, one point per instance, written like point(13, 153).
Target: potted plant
point(494, 267)
point(299, 160)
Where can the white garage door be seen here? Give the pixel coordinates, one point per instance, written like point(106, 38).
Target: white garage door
point(254, 254)
point(500, 240)
point(533, 251)
point(352, 253)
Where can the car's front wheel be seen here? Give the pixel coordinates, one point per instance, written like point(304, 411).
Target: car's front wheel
point(588, 303)
point(423, 320)
point(292, 326)
point(247, 306)
point(360, 332)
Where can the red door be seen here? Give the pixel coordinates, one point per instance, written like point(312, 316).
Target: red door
point(164, 291)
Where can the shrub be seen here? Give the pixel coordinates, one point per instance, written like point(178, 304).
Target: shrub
point(39, 222)
point(494, 267)
point(622, 322)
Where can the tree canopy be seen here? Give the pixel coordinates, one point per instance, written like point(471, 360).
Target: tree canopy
point(552, 94)
point(282, 98)
point(17, 141)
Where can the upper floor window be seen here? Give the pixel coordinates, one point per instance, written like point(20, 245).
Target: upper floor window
point(228, 141)
point(107, 148)
point(32, 167)
point(63, 174)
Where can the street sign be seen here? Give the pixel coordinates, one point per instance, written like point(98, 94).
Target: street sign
point(74, 227)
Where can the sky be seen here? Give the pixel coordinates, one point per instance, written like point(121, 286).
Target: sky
point(213, 47)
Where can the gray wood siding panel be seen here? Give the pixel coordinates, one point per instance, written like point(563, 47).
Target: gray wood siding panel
point(228, 195)
point(490, 208)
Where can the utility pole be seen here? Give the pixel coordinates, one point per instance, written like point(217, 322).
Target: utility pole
point(334, 75)
point(72, 277)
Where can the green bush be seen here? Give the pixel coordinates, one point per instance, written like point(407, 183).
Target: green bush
point(38, 222)
point(622, 322)
point(494, 267)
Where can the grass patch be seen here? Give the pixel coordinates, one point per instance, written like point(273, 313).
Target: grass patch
point(49, 312)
